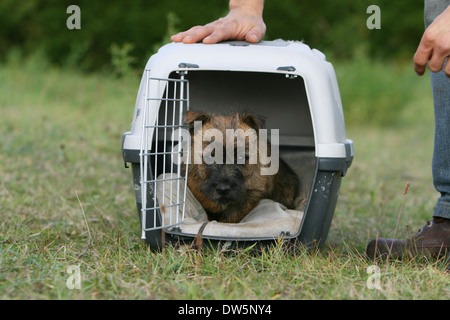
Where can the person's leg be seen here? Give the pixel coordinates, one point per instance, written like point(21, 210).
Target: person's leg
point(434, 237)
point(441, 156)
point(441, 95)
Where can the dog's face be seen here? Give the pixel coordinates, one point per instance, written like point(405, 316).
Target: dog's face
point(224, 183)
point(223, 164)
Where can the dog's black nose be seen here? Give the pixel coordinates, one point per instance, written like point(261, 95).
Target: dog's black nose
point(223, 189)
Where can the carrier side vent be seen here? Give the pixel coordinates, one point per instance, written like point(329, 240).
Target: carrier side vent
point(188, 65)
point(286, 68)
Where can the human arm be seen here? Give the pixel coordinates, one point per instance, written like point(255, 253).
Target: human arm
point(434, 47)
point(244, 21)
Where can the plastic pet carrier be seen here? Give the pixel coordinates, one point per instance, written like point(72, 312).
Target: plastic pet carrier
point(292, 86)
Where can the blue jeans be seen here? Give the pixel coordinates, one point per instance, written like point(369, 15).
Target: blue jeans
point(441, 94)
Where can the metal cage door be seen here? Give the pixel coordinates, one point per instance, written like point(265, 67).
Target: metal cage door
point(163, 178)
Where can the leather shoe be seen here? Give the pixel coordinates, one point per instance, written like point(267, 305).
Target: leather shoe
point(433, 239)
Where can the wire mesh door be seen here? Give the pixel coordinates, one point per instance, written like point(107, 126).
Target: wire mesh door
point(162, 175)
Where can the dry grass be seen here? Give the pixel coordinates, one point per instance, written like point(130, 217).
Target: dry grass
point(66, 199)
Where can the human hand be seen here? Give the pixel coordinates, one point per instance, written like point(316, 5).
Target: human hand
point(434, 46)
point(243, 22)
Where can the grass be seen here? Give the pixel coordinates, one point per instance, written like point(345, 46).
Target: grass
point(66, 199)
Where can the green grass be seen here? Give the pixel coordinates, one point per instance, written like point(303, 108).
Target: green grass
point(66, 199)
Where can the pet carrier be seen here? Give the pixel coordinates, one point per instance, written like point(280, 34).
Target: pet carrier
point(292, 86)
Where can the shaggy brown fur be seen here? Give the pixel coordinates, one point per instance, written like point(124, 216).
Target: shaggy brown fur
point(229, 191)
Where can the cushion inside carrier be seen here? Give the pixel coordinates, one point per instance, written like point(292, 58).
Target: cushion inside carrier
point(269, 219)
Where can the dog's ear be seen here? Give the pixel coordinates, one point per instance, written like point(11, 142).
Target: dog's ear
point(253, 121)
point(191, 116)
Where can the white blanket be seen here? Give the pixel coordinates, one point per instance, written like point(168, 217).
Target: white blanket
point(269, 219)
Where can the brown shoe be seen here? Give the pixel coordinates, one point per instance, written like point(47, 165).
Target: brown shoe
point(433, 239)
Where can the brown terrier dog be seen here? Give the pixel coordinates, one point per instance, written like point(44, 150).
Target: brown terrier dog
point(224, 174)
